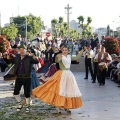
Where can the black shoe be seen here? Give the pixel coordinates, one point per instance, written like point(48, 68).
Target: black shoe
point(85, 78)
point(99, 84)
point(93, 82)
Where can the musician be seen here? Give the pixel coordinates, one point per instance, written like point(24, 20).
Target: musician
point(95, 64)
point(22, 69)
point(103, 59)
point(88, 53)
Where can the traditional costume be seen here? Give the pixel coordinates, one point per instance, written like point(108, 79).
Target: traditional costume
point(95, 67)
point(22, 70)
point(88, 54)
point(103, 59)
point(61, 90)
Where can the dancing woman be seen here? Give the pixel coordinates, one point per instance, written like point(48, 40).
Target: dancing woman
point(61, 90)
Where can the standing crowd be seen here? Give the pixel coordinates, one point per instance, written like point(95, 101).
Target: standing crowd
point(52, 59)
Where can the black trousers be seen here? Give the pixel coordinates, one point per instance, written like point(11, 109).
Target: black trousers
point(102, 75)
point(96, 75)
point(88, 66)
point(26, 82)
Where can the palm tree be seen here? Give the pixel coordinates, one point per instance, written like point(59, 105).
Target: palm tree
point(60, 22)
point(81, 21)
point(54, 26)
point(86, 29)
point(71, 32)
point(89, 20)
point(65, 27)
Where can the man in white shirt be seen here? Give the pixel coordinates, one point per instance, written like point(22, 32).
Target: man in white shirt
point(88, 64)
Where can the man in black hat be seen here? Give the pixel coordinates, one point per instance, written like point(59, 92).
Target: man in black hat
point(22, 69)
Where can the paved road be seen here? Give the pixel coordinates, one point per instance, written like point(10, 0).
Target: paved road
point(99, 102)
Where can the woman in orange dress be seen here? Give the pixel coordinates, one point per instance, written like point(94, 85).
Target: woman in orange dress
point(61, 90)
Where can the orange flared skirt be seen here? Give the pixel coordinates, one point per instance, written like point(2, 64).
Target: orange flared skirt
point(60, 90)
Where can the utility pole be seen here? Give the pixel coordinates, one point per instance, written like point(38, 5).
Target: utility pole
point(26, 29)
point(68, 13)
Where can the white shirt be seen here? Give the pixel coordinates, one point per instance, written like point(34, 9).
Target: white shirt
point(66, 61)
point(90, 54)
point(96, 57)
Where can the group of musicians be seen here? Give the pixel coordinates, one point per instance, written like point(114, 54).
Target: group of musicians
point(99, 59)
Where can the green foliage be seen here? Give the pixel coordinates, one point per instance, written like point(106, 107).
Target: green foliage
point(60, 28)
point(60, 20)
point(89, 20)
point(34, 25)
point(74, 34)
point(54, 23)
point(112, 45)
point(81, 19)
point(10, 31)
point(86, 29)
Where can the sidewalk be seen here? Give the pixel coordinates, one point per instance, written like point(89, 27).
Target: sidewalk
point(99, 103)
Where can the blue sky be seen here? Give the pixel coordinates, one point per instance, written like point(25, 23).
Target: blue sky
point(103, 12)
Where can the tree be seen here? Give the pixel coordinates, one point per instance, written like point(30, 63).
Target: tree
point(60, 23)
point(10, 31)
point(86, 29)
point(54, 23)
point(81, 21)
point(34, 25)
point(59, 27)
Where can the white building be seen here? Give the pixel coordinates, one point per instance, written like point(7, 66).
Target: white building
point(101, 32)
point(75, 25)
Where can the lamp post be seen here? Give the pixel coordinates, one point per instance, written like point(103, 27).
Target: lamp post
point(68, 13)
